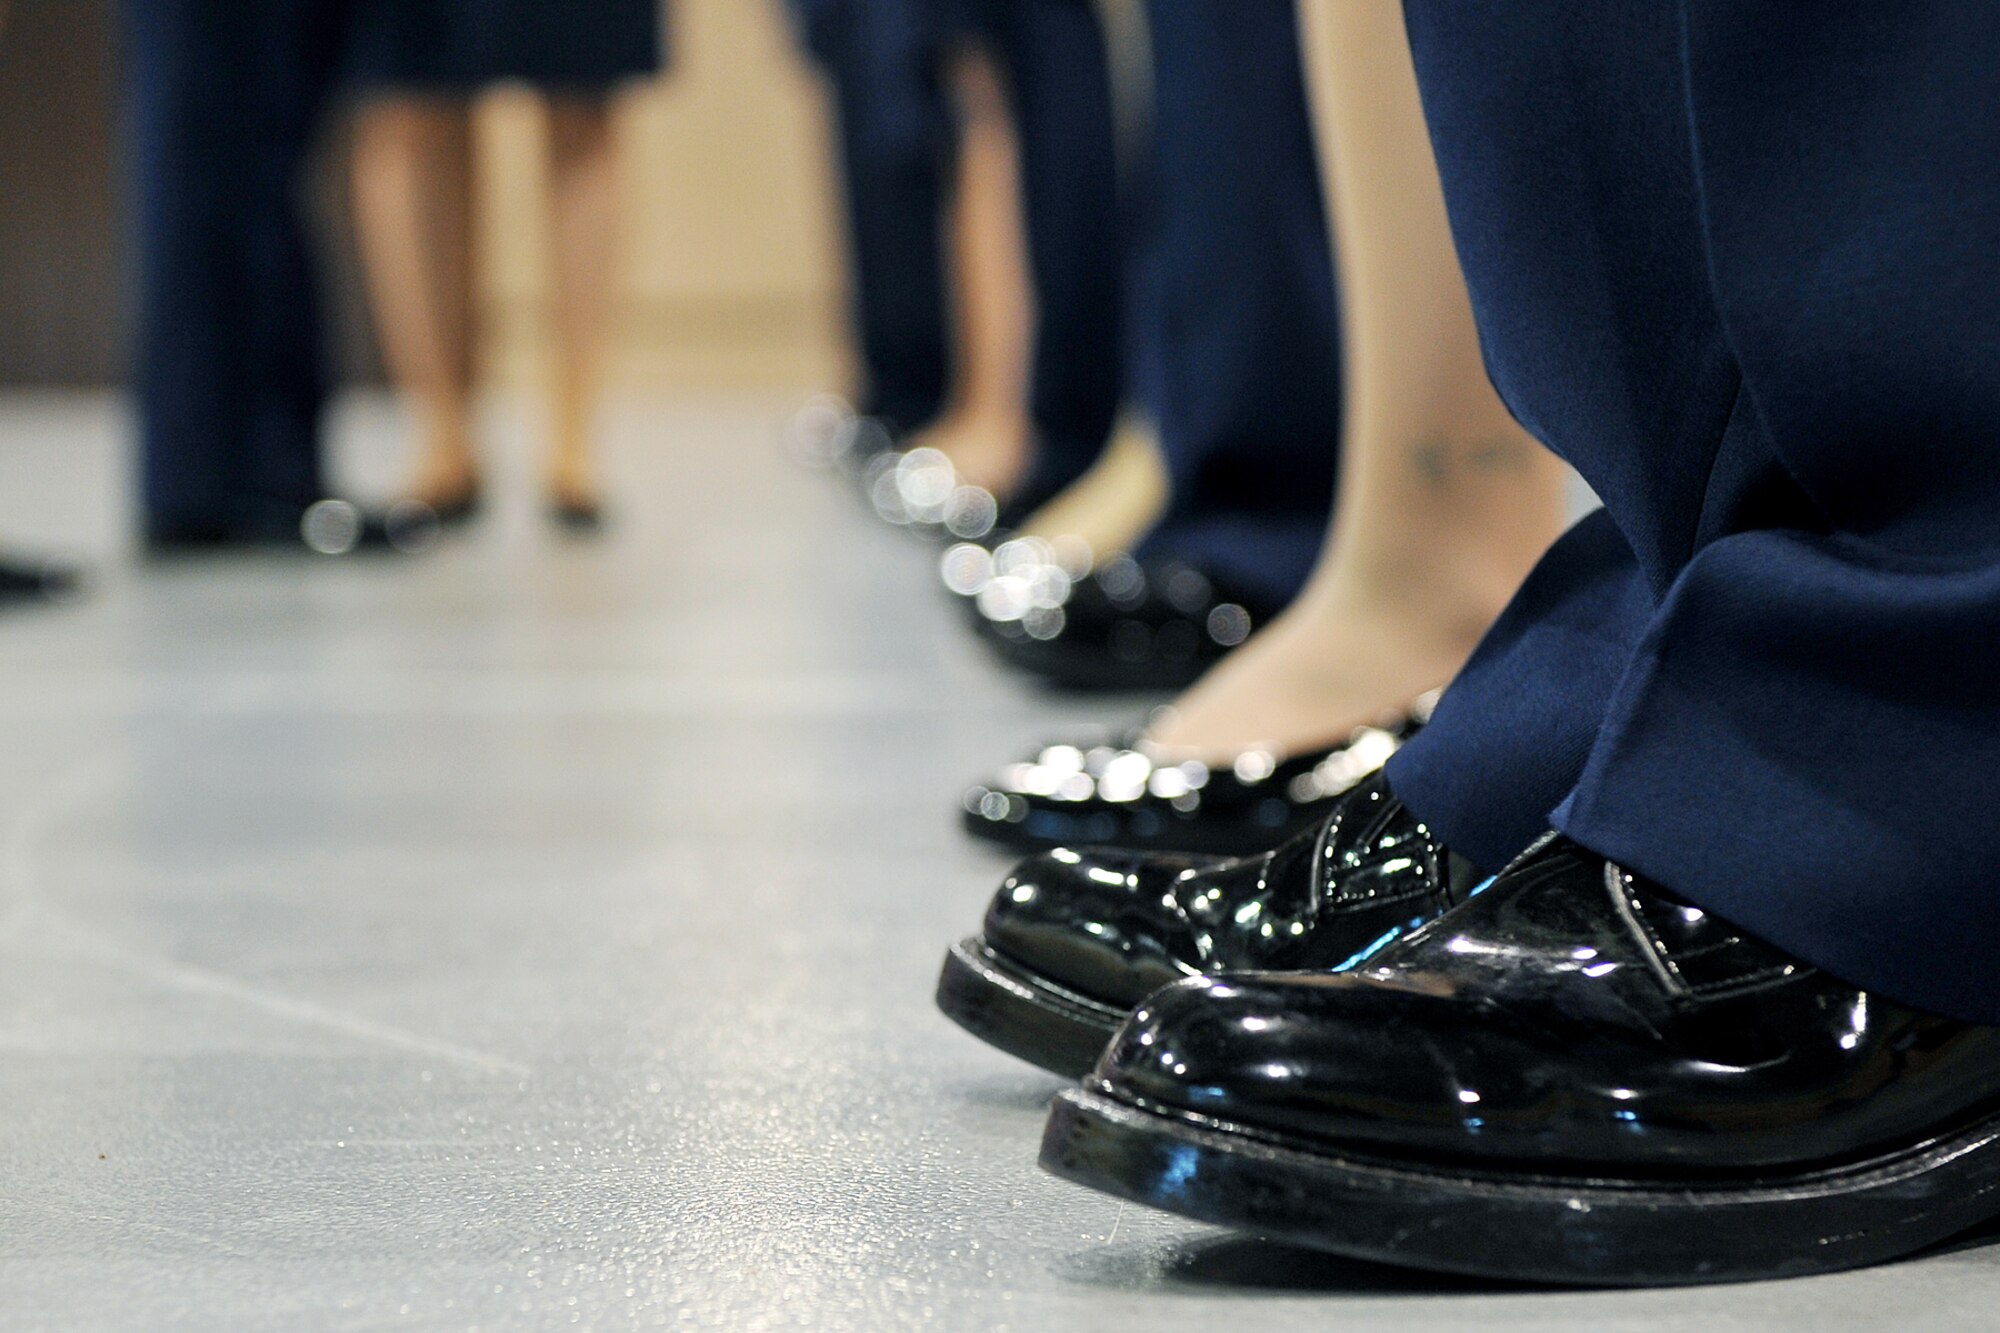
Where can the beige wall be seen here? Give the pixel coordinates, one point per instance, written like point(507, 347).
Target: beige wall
point(733, 275)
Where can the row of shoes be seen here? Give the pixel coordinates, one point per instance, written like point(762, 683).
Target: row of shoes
point(1562, 1073)
point(1290, 1009)
point(1053, 609)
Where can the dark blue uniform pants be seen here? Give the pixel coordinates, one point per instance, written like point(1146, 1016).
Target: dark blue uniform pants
point(224, 96)
point(1242, 349)
point(896, 139)
point(885, 61)
point(1736, 260)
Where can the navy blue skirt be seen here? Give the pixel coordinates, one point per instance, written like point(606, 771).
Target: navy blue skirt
point(465, 44)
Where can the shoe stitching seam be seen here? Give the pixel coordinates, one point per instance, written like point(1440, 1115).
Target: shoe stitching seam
point(1654, 949)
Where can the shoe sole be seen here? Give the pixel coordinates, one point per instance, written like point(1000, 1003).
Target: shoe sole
point(1010, 1008)
point(1196, 837)
point(1488, 1223)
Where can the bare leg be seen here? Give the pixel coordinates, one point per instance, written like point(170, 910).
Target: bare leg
point(413, 207)
point(985, 429)
point(583, 179)
point(1445, 502)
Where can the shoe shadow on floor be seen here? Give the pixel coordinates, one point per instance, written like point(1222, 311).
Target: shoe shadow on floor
point(1984, 1236)
point(1249, 1263)
point(1248, 1266)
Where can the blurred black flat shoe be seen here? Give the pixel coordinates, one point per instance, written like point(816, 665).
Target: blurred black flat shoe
point(1122, 626)
point(1117, 793)
point(577, 515)
point(27, 579)
point(1573, 1076)
point(1074, 939)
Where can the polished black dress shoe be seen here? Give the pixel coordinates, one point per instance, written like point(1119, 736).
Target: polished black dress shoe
point(1118, 795)
point(1074, 939)
point(1122, 626)
point(1575, 1077)
point(23, 579)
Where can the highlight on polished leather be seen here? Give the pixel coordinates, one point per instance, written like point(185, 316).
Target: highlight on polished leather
point(1074, 939)
point(1572, 1077)
point(827, 432)
point(1118, 624)
point(1122, 793)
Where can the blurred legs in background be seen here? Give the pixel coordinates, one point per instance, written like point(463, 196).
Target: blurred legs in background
point(895, 139)
point(1054, 74)
point(224, 99)
point(412, 166)
point(1002, 348)
point(584, 211)
point(984, 427)
point(420, 64)
point(414, 189)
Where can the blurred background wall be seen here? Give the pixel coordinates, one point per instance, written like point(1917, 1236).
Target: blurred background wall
point(732, 275)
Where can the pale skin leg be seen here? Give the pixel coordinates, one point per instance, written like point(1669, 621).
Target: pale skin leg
point(583, 211)
point(1445, 503)
point(985, 429)
point(412, 169)
point(1114, 504)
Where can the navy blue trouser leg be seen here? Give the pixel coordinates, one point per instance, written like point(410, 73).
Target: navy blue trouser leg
point(224, 96)
point(1733, 259)
point(1245, 354)
point(1058, 74)
point(897, 136)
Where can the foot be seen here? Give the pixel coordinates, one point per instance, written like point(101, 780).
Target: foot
point(1073, 940)
point(448, 481)
point(1119, 792)
point(573, 497)
point(1573, 1077)
point(1323, 668)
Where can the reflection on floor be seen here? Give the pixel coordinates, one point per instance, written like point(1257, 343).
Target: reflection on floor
point(541, 932)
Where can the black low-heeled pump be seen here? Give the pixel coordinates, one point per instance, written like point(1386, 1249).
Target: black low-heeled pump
point(459, 509)
point(576, 515)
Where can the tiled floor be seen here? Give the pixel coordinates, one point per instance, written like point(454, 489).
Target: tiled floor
point(541, 934)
